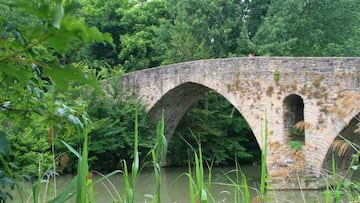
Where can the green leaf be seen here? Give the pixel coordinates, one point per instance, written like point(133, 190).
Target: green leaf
point(40, 11)
point(62, 77)
point(19, 3)
point(59, 40)
point(58, 15)
point(203, 196)
point(21, 74)
point(71, 149)
point(95, 34)
point(67, 193)
point(4, 144)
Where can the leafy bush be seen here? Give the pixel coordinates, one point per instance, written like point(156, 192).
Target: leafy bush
point(113, 133)
point(26, 147)
point(112, 115)
point(34, 36)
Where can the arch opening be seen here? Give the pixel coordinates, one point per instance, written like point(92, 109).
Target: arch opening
point(294, 124)
point(175, 103)
point(343, 149)
point(192, 110)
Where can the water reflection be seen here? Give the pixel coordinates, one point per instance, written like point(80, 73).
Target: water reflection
point(175, 187)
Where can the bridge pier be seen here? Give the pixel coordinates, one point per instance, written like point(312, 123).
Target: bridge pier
point(288, 169)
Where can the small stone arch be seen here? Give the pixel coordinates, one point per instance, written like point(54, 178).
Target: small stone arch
point(293, 118)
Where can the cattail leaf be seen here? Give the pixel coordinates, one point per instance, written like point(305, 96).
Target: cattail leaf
point(67, 192)
point(71, 149)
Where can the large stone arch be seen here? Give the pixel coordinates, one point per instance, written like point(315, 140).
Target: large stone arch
point(342, 118)
point(178, 100)
point(174, 103)
point(340, 150)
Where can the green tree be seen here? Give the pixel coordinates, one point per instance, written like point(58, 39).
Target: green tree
point(139, 43)
point(217, 26)
point(132, 24)
point(311, 28)
point(255, 11)
point(183, 46)
point(113, 116)
point(151, 33)
point(102, 14)
point(34, 35)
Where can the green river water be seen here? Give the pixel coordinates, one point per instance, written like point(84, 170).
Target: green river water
point(174, 188)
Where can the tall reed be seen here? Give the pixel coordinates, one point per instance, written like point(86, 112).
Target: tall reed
point(199, 191)
point(341, 185)
point(79, 183)
point(130, 182)
point(264, 151)
point(240, 184)
point(198, 187)
point(36, 187)
point(158, 154)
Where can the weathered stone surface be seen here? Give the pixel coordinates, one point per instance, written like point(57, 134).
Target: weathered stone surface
point(257, 87)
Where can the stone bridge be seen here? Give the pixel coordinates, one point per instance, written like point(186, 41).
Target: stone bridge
point(321, 96)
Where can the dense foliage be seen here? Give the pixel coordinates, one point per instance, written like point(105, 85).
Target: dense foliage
point(310, 28)
point(112, 134)
point(44, 99)
point(151, 33)
point(223, 132)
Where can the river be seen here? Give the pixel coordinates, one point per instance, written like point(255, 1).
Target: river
point(174, 187)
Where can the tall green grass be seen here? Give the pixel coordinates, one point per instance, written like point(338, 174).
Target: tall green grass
point(83, 187)
point(131, 179)
point(37, 185)
point(198, 189)
point(158, 155)
point(264, 151)
point(79, 182)
point(342, 187)
point(240, 184)
point(80, 186)
point(199, 184)
point(241, 189)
